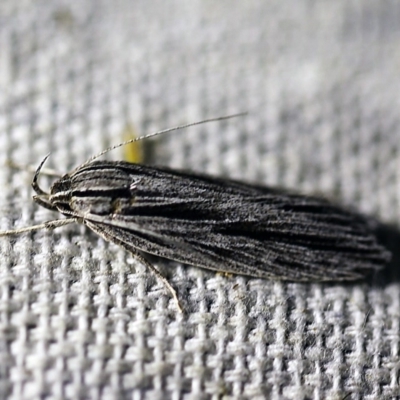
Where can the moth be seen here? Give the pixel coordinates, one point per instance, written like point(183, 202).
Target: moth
point(213, 223)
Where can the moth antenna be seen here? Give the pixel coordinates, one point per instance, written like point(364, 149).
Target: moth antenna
point(35, 183)
point(156, 134)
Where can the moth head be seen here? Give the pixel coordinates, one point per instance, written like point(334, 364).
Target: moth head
point(100, 188)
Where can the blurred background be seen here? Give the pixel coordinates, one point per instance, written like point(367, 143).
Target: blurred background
point(79, 318)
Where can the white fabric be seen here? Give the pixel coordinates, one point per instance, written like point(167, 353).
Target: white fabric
point(320, 80)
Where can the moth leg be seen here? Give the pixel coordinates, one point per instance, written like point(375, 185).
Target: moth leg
point(56, 223)
point(158, 274)
point(31, 168)
point(46, 225)
point(114, 236)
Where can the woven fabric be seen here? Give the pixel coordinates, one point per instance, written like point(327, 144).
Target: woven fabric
point(80, 318)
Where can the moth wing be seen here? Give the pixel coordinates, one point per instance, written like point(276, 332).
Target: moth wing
point(229, 226)
point(162, 246)
point(243, 256)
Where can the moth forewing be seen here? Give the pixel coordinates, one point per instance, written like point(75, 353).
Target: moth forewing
point(219, 224)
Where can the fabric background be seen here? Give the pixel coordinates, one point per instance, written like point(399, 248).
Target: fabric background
point(80, 318)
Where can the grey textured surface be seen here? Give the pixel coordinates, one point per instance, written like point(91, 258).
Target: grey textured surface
point(79, 318)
